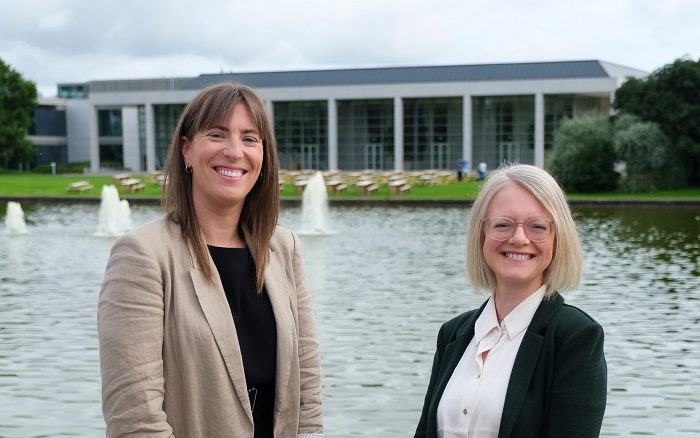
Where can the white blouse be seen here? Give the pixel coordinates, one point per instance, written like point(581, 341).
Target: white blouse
point(472, 403)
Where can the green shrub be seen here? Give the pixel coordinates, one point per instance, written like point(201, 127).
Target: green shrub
point(46, 168)
point(78, 166)
point(583, 158)
point(645, 151)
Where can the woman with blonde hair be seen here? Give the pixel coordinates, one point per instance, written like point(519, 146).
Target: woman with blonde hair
point(204, 318)
point(524, 364)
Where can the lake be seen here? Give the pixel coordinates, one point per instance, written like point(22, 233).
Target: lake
point(382, 285)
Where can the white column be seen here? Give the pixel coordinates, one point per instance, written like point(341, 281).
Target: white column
point(467, 131)
point(398, 133)
point(539, 130)
point(150, 138)
point(270, 111)
point(94, 139)
point(332, 135)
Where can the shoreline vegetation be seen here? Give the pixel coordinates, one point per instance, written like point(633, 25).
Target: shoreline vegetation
point(32, 187)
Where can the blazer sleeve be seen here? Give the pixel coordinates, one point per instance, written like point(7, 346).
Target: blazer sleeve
point(579, 385)
point(421, 430)
point(130, 330)
point(311, 402)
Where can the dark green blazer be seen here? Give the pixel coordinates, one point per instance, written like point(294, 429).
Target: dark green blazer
point(558, 386)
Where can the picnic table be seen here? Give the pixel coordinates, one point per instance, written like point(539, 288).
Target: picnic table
point(399, 186)
point(119, 177)
point(132, 185)
point(300, 185)
point(79, 187)
point(157, 177)
point(365, 187)
point(336, 186)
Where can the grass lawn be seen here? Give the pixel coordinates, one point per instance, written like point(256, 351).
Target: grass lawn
point(42, 185)
point(14, 183)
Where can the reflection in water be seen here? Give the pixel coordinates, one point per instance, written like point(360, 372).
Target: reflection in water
point(644, 265)
point(381, 286)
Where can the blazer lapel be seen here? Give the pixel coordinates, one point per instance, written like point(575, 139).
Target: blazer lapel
point(453, 354)
point(277, 286)
point(454, 351)
point(525, 363)
point(216, 310)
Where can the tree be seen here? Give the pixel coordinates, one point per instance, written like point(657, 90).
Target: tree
point(17, 99)
point(645, 150)
point(583, 158)
point(670, 97)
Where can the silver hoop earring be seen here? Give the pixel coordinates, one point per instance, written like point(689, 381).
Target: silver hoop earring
point(188, 168)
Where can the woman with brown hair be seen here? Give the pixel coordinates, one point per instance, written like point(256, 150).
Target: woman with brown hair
point(204, 318)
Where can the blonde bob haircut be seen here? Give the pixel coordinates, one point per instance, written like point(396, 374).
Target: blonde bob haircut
point(564, 272)
point(211, 107)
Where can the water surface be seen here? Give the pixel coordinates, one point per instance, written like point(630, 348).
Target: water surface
point(382, 285)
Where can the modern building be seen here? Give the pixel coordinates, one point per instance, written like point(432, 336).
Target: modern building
point(408, 118)
point(48, 131)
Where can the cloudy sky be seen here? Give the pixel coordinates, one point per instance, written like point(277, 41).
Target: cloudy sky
point(59, 41)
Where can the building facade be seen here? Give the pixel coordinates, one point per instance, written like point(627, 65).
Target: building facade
point(406, 118)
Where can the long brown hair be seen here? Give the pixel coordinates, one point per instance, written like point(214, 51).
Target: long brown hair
point(214, 106)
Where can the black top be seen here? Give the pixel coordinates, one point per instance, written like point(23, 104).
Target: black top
point(256, 330)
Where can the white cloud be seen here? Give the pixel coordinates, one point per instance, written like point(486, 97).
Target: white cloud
point(52, 41)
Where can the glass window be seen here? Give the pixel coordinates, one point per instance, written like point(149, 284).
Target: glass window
point(432, 134)
point(109, 122)
point(503, 130)
point(366, 134)
point(301, 130)
point(50, 153)
point(111, 156)
point(48, 121)
point(166, 117)
point(72, 91)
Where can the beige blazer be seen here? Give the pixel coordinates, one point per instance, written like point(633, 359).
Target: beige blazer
point(169, 355)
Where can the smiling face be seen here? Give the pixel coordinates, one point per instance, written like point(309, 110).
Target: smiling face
point(226, 161)
point(518, 263)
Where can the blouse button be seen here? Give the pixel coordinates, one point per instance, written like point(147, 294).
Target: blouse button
point(464, 412)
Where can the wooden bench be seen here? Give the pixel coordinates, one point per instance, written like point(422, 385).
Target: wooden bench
point(299, 186)
point(404, 189)
point(396, 185)
point(362, 187)
point(157, 177)
point(132, 185)
point(335, 186)
point(79, 187)
point(429, 179)
point(119, 177)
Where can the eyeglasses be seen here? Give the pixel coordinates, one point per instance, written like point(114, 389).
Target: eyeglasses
point(501, 228)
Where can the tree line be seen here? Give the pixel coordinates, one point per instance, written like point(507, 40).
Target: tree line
point(18, 97)
point(651, 142)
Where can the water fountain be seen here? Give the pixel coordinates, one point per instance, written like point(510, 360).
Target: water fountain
point(314, 207)
point(14, 221)
point(115, 214)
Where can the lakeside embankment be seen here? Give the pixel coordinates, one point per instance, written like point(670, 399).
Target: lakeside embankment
point(39, 188)
point(378, 201)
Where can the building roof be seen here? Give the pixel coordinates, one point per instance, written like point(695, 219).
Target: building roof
point(449, 73)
